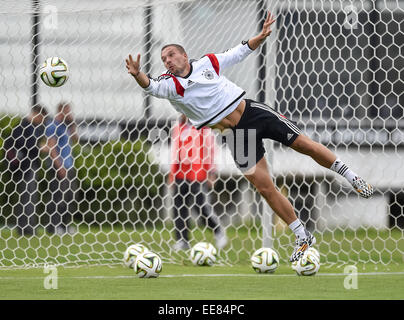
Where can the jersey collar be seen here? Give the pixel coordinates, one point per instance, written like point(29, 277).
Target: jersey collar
point(190, 71)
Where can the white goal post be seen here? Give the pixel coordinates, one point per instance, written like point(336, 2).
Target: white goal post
point(334, 67)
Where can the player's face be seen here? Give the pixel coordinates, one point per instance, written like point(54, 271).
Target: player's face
point(175, 61)
point(37, 118)
point(66, 110)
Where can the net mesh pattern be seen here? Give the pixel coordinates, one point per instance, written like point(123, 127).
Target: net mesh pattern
point(334, 67)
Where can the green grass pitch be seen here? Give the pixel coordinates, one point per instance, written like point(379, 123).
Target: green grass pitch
point(178, 282)
point(185, 281)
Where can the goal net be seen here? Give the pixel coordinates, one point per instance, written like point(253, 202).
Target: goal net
point(334, 67)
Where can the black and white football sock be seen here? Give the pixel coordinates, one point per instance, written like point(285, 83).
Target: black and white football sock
point(298, 229)
point(340, 167)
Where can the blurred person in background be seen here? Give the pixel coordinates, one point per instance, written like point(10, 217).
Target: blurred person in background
point(192, 176)
point(23, 155)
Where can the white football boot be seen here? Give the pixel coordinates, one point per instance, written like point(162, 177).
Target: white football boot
point(301, 245)
point(364, 189)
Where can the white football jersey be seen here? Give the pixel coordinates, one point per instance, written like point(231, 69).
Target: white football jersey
point(204, 95)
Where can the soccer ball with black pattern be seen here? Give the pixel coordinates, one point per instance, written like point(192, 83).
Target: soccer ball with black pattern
point(315, 252)
point(308, 264)
point(203, 254)
point(148, 265)
point(54, 72)
point(265, 260)
point(132, 252)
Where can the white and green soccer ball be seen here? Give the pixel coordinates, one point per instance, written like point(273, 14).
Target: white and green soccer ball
point(308, 264)
point(148, 265)
point(315, 252)
point(54, 72)
point(265, 260)
point(132, 252)
point(203, 254)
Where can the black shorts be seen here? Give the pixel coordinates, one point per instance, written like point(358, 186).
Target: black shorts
point(259, 121)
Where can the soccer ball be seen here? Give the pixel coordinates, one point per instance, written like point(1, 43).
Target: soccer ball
point(148, 265)
point(265, 260)
point(308, 264)
point(54, 72)
point(315, 252)
point(203, 254)
point(132, 252)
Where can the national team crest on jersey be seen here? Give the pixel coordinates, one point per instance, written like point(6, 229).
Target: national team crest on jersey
point(208, 74)
point(199, 98)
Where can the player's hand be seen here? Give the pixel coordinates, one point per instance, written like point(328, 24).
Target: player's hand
point(211, 180)
point(266, 28)
point(133, 66)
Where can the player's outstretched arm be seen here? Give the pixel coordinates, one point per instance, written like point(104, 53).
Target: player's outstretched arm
point(134, 69)
point(256, 41)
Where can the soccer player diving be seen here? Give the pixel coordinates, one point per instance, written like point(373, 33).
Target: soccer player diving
point(197, 89)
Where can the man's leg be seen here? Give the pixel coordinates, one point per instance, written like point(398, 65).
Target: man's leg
point(181, 214)
point(65, 206)
point(317, 151)
point(279, 128)
point(52, 207)
point(71, 199)
point(328, 159)
point(27, 188)
point(262, 180)
point(20, 185)
point(207, 213)
point(259, 121)
point(203, 207)
point(32, 188)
